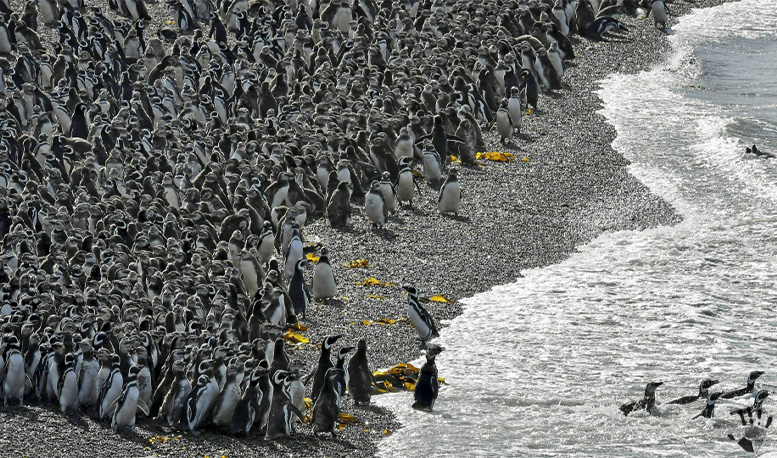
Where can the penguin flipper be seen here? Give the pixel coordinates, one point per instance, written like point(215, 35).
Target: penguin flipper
point(628, 408)
point(684, 400)
point(421, 139)
point(744, 442)
point(143, 407)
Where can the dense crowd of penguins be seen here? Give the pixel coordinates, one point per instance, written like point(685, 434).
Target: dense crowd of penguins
point(154, 186)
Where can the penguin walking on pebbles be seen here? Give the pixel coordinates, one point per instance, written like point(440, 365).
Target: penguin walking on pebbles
point(428, 386)
point(13, 377)
point(514, 109)
point(450, 194)
point(324, 284)
point(389, 192)
point(360, 382)
point(282, 411)
point(338, 210)
point(68, 386)
point(326, 410)
point(247, 409)
point(174, 400)
point(504, 122)
point(88, 391)
point(420, 319)
point(406, 183)
point(324, 363)
point(375, 205)
point(298, 289)
point(658, 10)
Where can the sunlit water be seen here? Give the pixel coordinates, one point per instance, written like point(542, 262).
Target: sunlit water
point(539, 367)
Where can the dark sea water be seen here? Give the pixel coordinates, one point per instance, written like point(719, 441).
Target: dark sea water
point(539, 367)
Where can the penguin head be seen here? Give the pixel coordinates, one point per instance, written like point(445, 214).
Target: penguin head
point(760, 397)
point(329, 341)
point(705, 386)
point(432, 350)
point(651, 387)
point(375, 186)
point(344, 351)
point(411, 290)
point(754, 375)
point(134, 370)
point(714, 397)
point(301, 264)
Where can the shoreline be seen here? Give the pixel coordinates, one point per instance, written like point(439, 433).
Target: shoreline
point(513, 217)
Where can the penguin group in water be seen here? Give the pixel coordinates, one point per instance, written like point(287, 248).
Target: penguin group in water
point(754, 427)
point(155, 180)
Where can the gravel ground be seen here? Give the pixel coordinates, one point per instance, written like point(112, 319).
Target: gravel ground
point(514, 216)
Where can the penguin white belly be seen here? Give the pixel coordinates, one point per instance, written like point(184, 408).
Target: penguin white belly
point(404, 148)
point(68, 397)
point(562, 19)
point(388, 196)
point(556, 61)
point(297, 394)
point(432, 169)
point(373, 207)
point(15, 377)
point(323, 282)
point(231, 396)
point(322, 174)
point(113, 393)
point(405, 187)
point(88, 391)
point(344, 175)
point(124, 416)
point(294, 255)
point(450, 198)
point(280, 196)
point(266, 248)
point(503, 125)
point(514, 109)
point(250, 276)
point(342, 20)
point(145, 391)
point(423, 330)
point(171, 197)
point(659, 13)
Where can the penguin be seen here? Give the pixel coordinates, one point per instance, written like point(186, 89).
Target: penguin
point(375, 205)
point(342, 380)
point(646, 403)
point(111, 388)
point(432, 166)
point(658, 10)
point(266, 246)
point(427, 386)
point(227, 400)
point(420, 319)
point(247, 410)
point(709, 408)
point(754, 150)
point(757, 407)
point(296, 387)
point(703, 393)
point(605, 24)
point(754, 433)
point(324, 363)
point(275, 312)
point(13, 377)
point(88, 389)
point(515, 109)
point(298, 289)
point(323, 285)
point(360, 380)
point(282, 411)
point(504, 122)
point(174, 400)
point(67, 387)
point(748, 389)
point(338, 210)
point(127, 406)
point(389, 192)
point(450, 194)
point(200, 402)
point(406, 183)
point(326, 409)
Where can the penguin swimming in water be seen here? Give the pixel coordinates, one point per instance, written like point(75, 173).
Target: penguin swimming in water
point(326, 410)
point(748, 389)
point(360, 382)
point(420, 319)
point(703, 393)
point(323, 285)
point(754, 150)
point(754, 432)
point(709, 408)
point(427, 386)
point(646, 403)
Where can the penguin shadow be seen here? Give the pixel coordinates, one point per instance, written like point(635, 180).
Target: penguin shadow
point(372, 408)
point(385, 234)
point(417, 211)
point(459, 218)
point(332, 302)
point(616, 39)
point(669, 31)
point(78, 420)
point(21, 411)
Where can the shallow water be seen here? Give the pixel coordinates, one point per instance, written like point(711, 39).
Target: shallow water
point(539, 367)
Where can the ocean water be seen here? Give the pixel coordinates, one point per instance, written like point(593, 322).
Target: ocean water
point(539, 367)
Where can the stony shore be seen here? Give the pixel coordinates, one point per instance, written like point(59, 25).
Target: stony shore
point(529, 213)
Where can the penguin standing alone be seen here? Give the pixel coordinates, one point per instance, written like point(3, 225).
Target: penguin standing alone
point(360, 382)
point(428, 385)
point(450, 194)
point(323, 284)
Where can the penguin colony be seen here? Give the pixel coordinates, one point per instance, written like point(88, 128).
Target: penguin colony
point(154, 185)
point(755, 424)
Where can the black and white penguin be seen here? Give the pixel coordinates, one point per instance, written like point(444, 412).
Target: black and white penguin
point(88, 389)
point(323, 285)
point(420, 319)
point(703, 393)
point(647, 403)
point(515, 108)
point(175, 398)
point(247, 410)
point(432, 163)
point(298, 290)
point(296, 387)
point(427, 386)
point(748, 389)
point(709, 408)
point(658, 10)
point(754, 150)
point(504, 122)
point(406, 184)
point(389, 192)
point(360, 380)
point(450, 194)
point(605, 24)
point(324, 363)
point(67, 387)
point(228, 399)
point(282, 411)
point(13, 376)
point(127, 406)
point(375, 205)
point(200, 402)
point(342, 380)
point(326, 410)
point(754, 432)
